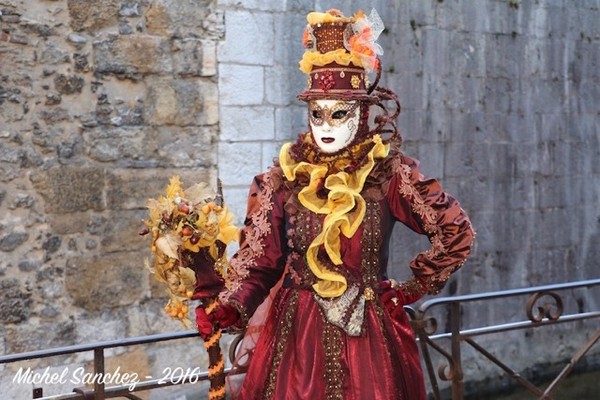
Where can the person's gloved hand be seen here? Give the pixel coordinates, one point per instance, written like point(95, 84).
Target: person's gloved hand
point(395, 296)
point(224, 315)
point(208, 282)
point(392, 298)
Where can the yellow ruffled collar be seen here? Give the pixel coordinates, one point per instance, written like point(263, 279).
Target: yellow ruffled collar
point(344, 207)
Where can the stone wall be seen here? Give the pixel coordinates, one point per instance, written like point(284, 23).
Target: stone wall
point(100, 102)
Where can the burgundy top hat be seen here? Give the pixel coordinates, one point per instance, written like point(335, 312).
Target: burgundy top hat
point(340, 52)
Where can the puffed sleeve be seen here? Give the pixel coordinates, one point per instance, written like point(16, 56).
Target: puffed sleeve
point(421, 204)
point(259, 263)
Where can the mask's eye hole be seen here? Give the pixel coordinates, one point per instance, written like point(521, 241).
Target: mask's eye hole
point(340, 114)
point(316, 114)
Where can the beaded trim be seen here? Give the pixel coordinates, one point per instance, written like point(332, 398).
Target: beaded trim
point(308, 226)
point(412, 288)
point(371, 243)
point(334, 377)
point(284, 328)
point(255, 233)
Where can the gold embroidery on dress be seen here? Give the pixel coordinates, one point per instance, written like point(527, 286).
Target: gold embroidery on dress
point(429, 217)
point(284, 328)
point(371, 243)
point(308, 226)
point(332, 343)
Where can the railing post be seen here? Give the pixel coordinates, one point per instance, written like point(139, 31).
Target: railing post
point(38, 393)
point(99, 373)
point(457, 377)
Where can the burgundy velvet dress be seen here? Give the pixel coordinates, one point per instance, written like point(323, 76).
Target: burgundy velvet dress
point(300, 353)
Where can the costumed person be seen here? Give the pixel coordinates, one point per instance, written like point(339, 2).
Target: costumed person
point(315, 245)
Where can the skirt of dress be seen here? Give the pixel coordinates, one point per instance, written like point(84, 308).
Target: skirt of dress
point(299, 355)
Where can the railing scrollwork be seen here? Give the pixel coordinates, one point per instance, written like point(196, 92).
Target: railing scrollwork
point(551, 311)
point(543, 306)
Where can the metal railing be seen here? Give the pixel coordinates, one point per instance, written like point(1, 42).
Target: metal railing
point(538, 313)
point(543, 306)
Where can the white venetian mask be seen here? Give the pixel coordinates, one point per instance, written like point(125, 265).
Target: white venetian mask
point(333, 123)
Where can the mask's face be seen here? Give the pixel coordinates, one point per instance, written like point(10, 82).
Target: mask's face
point(333, 123)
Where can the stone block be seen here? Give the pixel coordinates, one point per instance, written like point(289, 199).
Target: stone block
point(504, 18)
point(410, 124)
point(67, 224)
point(436, 51)
point(301, 6)
point(587, 98)
point(117, 144)
point(270, 151)
point(54, 55)
point(13, 240)
point(437, 92)
point(15, 305)
point(135, 362)
point(299, 123)
point(268, 5)
point(119, 232)
point(555, 128)
point(467, 57)
point(132, 55)
point(407, 245)
point(547, 236)
point(282, 85)
point(237, 200)
point(504, 55)
point(249, 40)
point(436, 126)
point(469, 126)
point(182, 102)
point(188, 147)
point(431, 156)
point(113, 280)
point(195, 57)
point(129, 189)
point(54, 115)
point(149, 317)
point(85, 15)
point(411, 90)
point(49, 334)
point(288, 50)
point(178, 18)
point(241, 85)
point(550, 191)
point(449, 15)
point(290, 122)
point(239, 162)
point(247, 123)
point(70, 189)
point(405, 52)
point(499, 95)
point(68, 84)
point(130, 8)
point(114, 323)
point(421, 13)
point(587, 55)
